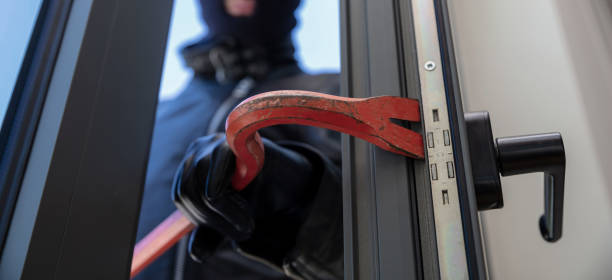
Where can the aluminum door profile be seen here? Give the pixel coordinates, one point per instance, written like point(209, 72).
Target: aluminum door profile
point(385, 228)
point(389, 211)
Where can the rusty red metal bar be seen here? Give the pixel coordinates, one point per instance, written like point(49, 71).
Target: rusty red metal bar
point(158, 241)
point(365, 118)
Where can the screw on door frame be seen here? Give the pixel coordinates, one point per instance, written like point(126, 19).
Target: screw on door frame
point(430, 65)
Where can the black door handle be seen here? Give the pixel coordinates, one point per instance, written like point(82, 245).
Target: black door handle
point(517, 155)
point(538, 153)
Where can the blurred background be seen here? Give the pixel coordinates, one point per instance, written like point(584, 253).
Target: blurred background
point(17, 20)
point(317, 38)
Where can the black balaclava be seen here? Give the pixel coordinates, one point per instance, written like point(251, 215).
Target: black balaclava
point(272, 21)
point(239, 47)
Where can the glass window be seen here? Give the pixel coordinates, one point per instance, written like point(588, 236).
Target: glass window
point(17, 19)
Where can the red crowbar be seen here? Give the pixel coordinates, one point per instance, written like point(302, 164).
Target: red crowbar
point(365, 118)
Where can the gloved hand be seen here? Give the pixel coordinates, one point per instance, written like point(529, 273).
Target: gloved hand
point(289, 216)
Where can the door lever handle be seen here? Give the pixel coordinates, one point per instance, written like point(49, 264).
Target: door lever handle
point(538, 153)
point(517, 155)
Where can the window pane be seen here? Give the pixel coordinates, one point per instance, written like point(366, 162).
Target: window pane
point(17, 19)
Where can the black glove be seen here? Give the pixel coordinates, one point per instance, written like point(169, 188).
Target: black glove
point(290, 215)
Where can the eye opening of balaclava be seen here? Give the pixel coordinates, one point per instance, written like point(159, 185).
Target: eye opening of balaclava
point(272, 22)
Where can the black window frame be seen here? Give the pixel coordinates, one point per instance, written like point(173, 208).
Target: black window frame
point(85, 220)
point(25, 105)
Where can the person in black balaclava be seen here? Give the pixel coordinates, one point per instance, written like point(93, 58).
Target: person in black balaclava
point(288, 222)
point(265, 22)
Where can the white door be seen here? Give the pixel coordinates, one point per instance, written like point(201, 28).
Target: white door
point(544, 66)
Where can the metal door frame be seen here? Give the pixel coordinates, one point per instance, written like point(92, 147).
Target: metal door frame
point(388, 209)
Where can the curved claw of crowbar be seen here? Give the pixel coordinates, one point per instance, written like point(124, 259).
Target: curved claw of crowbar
point(365, 118)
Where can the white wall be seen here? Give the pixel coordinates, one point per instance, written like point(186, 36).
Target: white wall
point(542, 66)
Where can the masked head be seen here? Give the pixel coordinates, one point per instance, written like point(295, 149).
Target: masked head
point(258, 22)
